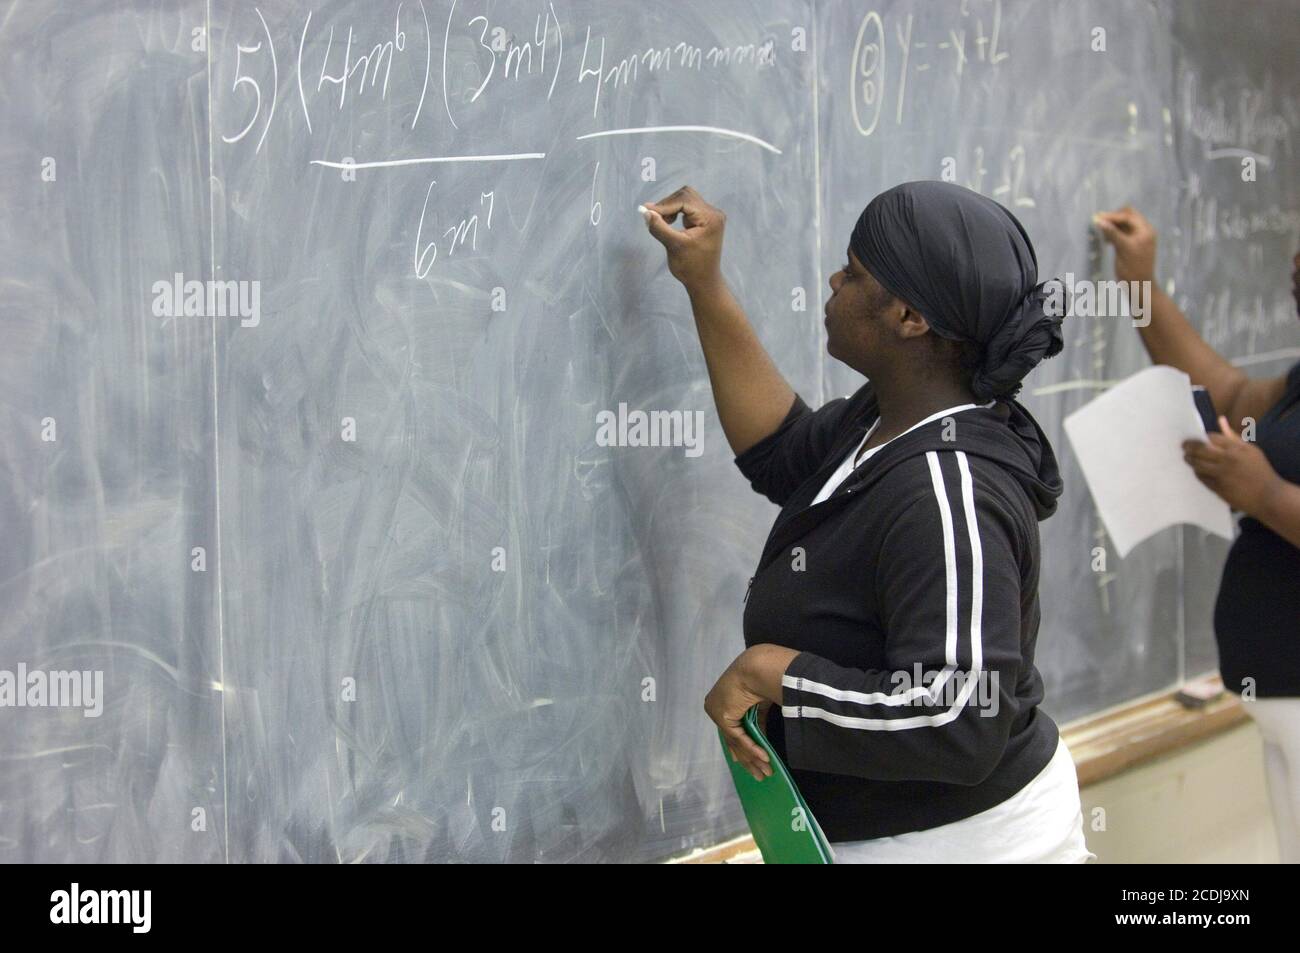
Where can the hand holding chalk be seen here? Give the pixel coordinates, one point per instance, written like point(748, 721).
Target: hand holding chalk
point(1134, 239)
point(694, 250)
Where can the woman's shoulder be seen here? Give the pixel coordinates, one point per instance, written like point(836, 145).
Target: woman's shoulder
point(944, 485)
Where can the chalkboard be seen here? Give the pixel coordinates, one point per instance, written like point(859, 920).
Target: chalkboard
point(328, 326)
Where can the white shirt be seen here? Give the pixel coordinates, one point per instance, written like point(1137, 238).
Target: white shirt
point(1042, 823)
point(848, 465)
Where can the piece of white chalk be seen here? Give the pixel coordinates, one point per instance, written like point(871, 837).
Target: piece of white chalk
point(645, 212)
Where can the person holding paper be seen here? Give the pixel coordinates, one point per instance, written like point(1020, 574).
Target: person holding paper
point(1257, 614)
point(892, 621)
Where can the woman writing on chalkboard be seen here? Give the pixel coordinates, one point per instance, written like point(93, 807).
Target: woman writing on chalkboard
point(892, 620)
point(1257, 615)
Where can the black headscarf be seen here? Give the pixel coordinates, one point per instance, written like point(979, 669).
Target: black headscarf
point(964, 263)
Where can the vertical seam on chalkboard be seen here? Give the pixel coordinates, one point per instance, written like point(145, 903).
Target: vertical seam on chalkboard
point(817, 201)
point(216, 453)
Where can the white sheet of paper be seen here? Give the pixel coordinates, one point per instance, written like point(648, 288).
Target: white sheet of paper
point(1129, 444)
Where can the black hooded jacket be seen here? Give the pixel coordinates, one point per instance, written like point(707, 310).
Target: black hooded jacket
point(911, 594)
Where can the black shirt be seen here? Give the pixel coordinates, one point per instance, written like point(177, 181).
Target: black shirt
point(926, 557)
point(1257, 616)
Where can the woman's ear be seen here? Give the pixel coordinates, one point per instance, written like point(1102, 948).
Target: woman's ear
point(911, 324)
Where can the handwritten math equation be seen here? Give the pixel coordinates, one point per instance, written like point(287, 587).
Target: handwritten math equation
point(884, 64)
point(402, 62)
point(347, 70)
point(320, 66)
point(887, 57)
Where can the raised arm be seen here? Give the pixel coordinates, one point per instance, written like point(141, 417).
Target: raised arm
point(1170, 338)
point(751, 395)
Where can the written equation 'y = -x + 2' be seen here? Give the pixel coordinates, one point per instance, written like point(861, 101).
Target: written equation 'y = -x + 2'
point(507, 157)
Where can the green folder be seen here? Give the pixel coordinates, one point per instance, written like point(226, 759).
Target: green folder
point(784, 829)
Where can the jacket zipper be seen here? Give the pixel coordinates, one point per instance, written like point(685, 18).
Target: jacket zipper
point(747, 588)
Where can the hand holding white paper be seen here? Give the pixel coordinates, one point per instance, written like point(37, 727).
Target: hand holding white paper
point(1129, 445)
